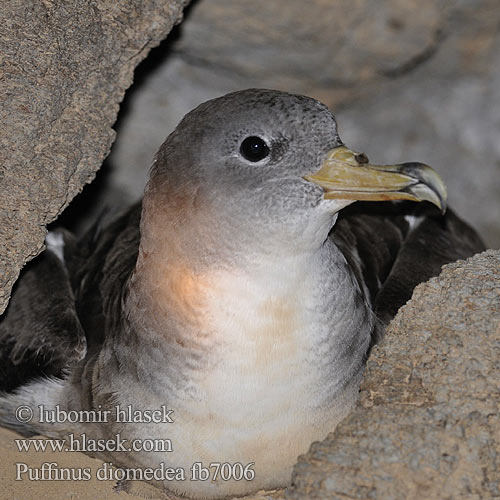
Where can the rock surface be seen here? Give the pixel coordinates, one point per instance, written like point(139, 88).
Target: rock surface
point(428, 421)
point(322, 47)
point(64, 70)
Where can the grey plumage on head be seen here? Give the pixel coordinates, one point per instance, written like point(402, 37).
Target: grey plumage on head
point(200, 166)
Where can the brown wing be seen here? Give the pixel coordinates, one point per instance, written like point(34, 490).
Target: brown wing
point(392, 247)
point(56, 315)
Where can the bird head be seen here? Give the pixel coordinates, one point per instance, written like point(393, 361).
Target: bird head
point(267, 166)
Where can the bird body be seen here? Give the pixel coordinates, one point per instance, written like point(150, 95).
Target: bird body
point(227, 296)
point(261, 349)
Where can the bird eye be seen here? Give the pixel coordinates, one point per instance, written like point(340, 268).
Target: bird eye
point(254, 149)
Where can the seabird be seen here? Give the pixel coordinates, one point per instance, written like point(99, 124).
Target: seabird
point(235, 294)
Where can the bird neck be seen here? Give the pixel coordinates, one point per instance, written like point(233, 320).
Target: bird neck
point(271, 348)
point(271, 313)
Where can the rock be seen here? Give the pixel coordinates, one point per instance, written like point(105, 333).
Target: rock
point(428, 421)
point(64, 70)
point(318, 48)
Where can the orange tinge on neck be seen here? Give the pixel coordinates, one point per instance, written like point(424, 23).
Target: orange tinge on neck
point(183, 293)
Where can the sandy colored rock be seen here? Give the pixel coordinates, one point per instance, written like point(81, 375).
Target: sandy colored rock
point(318, 45)
point(64, 70)
point(428, 421)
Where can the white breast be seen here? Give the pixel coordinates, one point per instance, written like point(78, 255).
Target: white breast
point(256, 363)
point(271, 385)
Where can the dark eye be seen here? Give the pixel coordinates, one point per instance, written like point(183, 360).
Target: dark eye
point(254, 149)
